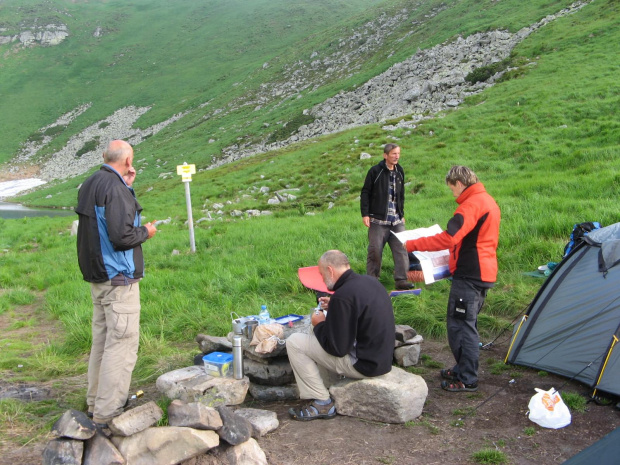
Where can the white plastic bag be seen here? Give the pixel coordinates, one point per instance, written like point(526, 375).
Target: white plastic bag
point(548, 409)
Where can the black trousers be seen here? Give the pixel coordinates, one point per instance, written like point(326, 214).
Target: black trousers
point(464, 304)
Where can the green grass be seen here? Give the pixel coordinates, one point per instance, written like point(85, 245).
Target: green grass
point(574, 401)
point(489, 457)
point(545, 144)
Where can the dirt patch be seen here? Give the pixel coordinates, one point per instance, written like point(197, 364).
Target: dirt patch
point(452, 427)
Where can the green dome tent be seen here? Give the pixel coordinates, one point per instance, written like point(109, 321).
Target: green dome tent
point(572, 326)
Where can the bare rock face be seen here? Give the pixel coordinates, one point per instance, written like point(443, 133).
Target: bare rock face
point(210, 344)
point(75, 425)
point(193, 415)
point(235, 429)
point(63, 450)
point(99, 450)
point(277, 372)
point(274, 393)
point(48, 35)
point(396, 397)
point(262, 421)
point(135, 420)
point(192, 384)
point(246, 453)
point(407, 356)
point(166, 445)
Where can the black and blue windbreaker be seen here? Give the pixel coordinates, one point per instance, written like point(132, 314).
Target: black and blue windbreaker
point(109, 233)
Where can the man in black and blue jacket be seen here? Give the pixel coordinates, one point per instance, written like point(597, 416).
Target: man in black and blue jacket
point(110, 258)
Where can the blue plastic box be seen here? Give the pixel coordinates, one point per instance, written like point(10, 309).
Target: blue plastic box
point(218, 364)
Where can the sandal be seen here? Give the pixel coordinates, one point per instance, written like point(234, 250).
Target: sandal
point(313, 411)
point(458, 386)
point(448, 374)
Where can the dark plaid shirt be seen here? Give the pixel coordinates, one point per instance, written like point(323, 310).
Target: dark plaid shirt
point(393, 217)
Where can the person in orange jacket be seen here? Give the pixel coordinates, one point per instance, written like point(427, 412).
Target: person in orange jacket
point(471, 237)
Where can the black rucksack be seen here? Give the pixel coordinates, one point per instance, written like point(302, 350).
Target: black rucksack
point(578, 233)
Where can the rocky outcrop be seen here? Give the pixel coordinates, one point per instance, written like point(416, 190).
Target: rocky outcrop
point(47, 35)
point(418, 88)
point(428, 82)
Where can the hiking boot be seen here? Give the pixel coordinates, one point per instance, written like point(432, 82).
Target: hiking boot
point(313, 411)
point(403, 285)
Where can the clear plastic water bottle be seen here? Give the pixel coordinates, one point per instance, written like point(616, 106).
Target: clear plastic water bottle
point(263, 316)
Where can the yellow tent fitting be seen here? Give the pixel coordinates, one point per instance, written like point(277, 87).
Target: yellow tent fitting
point(615, 341)
point(515, 337)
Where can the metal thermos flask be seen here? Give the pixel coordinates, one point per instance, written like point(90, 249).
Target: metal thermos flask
point(237, 358)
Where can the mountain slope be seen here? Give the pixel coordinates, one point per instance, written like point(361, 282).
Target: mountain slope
point(230, 79)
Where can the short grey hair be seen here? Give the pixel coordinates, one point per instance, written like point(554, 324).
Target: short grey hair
point(117, 151)
point(387, 148)
point(336, 259)
point(463, 174)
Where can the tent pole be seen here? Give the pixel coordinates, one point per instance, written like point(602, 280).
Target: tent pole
point(515, 337)
point(614, 342)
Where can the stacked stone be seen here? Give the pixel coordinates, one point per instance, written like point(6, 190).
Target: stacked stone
point(380, 399)
point(198, 434)
point(270, 375)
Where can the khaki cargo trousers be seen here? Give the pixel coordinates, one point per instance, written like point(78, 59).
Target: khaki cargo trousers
point(113, 355)
point(314, 369)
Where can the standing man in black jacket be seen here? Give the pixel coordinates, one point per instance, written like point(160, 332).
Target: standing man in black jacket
point(110, 257)
point(355, 339)
point(382, 203)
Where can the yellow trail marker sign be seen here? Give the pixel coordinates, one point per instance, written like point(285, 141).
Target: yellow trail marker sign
point(186, 171)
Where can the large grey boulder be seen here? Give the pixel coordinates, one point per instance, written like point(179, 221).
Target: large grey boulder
point(396, 397)
point(262, 421)
point(135, 420)
point(165, 445)
point(75, 425)
point(99, 450)
point(63, 451)
point(192, 384)
point(193, 415)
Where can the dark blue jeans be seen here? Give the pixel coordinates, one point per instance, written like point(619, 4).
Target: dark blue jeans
point(378, 235)
point(464, 304)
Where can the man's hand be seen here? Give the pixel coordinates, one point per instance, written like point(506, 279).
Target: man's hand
point(366, 220)
point(150, 227)
point(130, 176)
point(317, 317)
point(324, 302)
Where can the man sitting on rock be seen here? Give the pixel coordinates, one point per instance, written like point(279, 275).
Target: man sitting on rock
point(355, 339)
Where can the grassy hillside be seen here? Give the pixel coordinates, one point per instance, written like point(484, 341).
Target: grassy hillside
point(209, 51)
point(544, 143)
point(195, 50)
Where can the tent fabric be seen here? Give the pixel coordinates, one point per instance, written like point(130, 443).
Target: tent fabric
point(608, 239)
point(605, 451)
point(572, 325)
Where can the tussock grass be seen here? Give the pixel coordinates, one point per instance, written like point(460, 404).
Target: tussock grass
point(544, 144)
